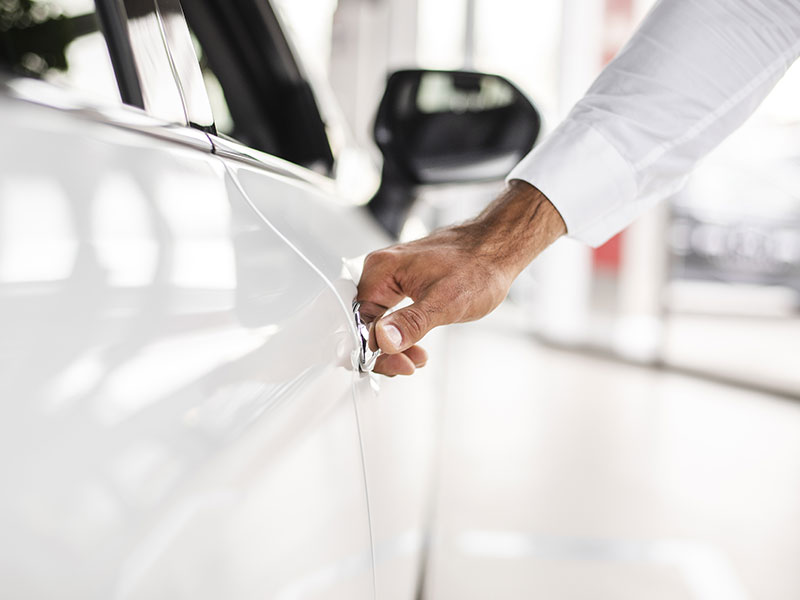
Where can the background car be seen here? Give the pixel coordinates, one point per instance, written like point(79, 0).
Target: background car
point(719, 233)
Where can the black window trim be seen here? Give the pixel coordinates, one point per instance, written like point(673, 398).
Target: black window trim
point(114, 25)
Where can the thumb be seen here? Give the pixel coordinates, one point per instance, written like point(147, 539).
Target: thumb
point(402, 329)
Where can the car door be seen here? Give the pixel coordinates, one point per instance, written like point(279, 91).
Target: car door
point(252, 68)
point(178, 415)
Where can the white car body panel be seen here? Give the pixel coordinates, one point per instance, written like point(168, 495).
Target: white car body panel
point(178, 415)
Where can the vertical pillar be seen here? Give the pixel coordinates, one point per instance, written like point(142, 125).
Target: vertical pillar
point(402, 27)
point(469, 35)
point(370, 38)
point(564, 272)
point(643, 260)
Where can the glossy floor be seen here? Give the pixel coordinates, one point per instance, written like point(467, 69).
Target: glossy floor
point(571, 477)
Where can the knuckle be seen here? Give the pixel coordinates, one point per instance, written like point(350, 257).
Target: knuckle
point(498, 288)
point(373, 259)
point(381, 256)
point(416, 321)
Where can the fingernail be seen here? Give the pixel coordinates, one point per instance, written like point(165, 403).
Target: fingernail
point(393, 335)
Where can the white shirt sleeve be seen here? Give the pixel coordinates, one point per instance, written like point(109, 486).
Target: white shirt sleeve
point(692, 73)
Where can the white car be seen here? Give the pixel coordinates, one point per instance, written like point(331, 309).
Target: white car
point(185, 406)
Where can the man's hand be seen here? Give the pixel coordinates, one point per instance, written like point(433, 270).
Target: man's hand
point(456, 274)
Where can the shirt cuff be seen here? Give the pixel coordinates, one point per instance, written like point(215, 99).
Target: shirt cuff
point(591, 185)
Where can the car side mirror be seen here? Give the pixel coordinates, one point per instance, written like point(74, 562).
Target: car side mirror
point(447, 127)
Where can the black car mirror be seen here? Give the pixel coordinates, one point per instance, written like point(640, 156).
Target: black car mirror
point(447, 127)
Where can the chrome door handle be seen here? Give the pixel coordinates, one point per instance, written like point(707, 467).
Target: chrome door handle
point(366, 357)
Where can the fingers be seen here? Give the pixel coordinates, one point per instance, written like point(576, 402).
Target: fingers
point(391, 275)
point(394, 364)
point(404, 363)
point(378, 290)
point(402, 329)
point(370, 311)
point(418, 356)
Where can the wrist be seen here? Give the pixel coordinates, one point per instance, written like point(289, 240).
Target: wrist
point(517, 226)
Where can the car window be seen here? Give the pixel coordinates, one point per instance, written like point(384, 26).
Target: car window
point(223, 120)
point(226, 80)
point(58, 41)
point(251, 75)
